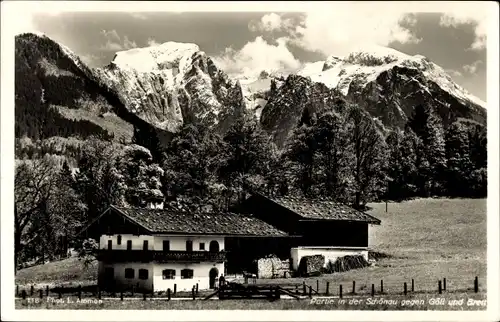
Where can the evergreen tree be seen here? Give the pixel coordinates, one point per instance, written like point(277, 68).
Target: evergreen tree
point(428, 127)
point(460, 166)
point(401, 166)
point(301, 149)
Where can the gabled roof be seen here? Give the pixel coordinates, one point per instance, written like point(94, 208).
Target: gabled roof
point(321, 209)
point(183, 222)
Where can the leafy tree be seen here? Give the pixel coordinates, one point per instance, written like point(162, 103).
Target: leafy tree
point(191, 161)
point(369, 151)
point(140, 177)
point(334, 155)
point(248, 153)
point(460, 166)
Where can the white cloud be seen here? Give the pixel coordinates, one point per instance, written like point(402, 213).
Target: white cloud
point(472, 68)
point(454, 73)
point(460, 16)
point(270, 22)
point(338, 28)
point(115, 43)
point(256, 56)
point(152, 42)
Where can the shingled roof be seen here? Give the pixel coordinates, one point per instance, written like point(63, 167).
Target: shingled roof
point(174, 221)
point(320, 209)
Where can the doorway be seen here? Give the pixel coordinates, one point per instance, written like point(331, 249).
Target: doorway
point(213, 274)
point(214, 246)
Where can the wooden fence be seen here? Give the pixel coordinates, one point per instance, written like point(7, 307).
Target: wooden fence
point(270, 291)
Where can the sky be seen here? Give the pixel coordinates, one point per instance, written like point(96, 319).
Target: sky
point(245, 42)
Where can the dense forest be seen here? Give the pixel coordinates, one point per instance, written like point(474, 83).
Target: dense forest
point(339, 153)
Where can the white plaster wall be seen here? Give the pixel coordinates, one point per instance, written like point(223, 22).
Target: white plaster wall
point(200, 275)
point(120, 280)
point(137, 241)
point(179, 242)
point(330, 253)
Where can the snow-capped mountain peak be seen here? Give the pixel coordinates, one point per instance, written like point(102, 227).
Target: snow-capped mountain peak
point(364, 66)
point(150, 59)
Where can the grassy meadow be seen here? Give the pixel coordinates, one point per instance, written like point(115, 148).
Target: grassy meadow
point(427, 240)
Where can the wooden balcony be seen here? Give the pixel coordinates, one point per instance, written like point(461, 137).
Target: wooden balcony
point(146, 256)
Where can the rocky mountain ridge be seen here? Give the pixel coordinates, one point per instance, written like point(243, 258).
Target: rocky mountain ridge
point(161, 87)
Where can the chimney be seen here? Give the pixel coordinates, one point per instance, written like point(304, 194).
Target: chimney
point(156, 204)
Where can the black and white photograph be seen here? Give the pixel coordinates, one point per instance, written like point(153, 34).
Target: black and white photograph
point(258, 161)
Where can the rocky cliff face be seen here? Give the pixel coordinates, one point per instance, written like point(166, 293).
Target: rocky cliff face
point(168, 84)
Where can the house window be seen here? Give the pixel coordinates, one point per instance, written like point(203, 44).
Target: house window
point(129, 245)
point(186, 273)
point(202, 246)
point(166, 245)
point(129, 273)
point(189, 245)
point(168, 274)
point(119, 240)
point(145, 245)
point(214, 246)
point(143, 274)
point(110, 244)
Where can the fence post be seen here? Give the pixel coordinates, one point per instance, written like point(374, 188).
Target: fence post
point(121, 295)
point(278, 293)
point(144, 295)
point(168, 294)
point(353, 287)
point(175, 289)
point(439, 287)
point(47, 291)
point(327, 288)
point(41, 294)
point(32, 289)
point(405, 289)
point(17, 290)
point(197, 288)
point(79, 292)
point(304, 287)
point(98, 293)
point(60, 292)
point(476, 285)
point(310, 291)
point(23, 294)
point(373, 289)
point(340, 291)
point(412, 285)
point(192, 293)
point(317, 286)
point(381, 286)
point(444, 284)
point(296, 289)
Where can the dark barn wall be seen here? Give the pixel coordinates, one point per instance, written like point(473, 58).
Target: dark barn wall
point(270, 212)
point(242, 251)
point(333, 233)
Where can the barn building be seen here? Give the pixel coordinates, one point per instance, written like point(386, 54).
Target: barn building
point(153, 249)
point(314, 227)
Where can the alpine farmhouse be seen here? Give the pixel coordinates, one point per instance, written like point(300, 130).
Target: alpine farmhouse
point(156, 247)
point(153, 249)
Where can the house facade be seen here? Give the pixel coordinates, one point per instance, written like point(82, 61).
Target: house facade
point(159, 249)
